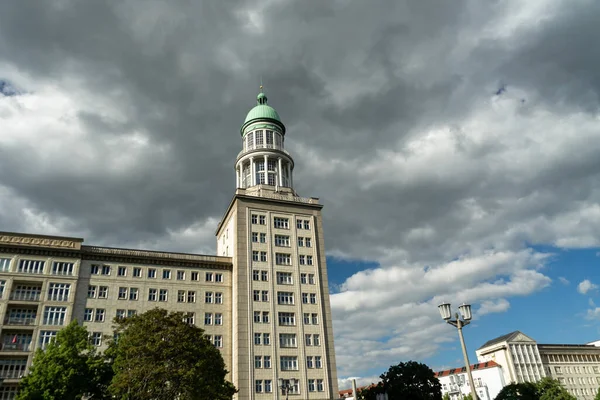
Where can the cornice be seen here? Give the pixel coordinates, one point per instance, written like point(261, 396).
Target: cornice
point(7, 238)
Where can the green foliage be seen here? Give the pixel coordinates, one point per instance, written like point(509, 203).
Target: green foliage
point(446, 397)
point(545, 389)
point(468, 397)
point(597, 395)
point(551, 389)
point(159, 356)
point(68, 368)
point(410, 380)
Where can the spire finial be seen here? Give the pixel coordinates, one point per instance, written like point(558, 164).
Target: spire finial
point(262, 97)
point(261, 84)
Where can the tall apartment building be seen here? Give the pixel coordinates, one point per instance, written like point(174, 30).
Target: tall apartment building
point(576, 366)
point(263, 300)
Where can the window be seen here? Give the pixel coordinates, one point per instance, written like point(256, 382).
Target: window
point(120, 314)
point(304, 298)
point(303, 279)
point(258, 386)
point(55, 315)
point(300, 242)
point(59, 291)
point(59, 268)
point(4, 264)
point(181, 296)
point(255, 237)
point(207, 318)
point(283, 259)
point(281, 223)
point(137, 272)
point(256, 275)
point(282, 241)
point(152, 294)
point(2, 286)
point(267, 361)
point(311, 385)
point(320, 385)
point(162, 294)
point(308, 339)
point(208, 277)
point(262, 220)
point(31, 267)
point(122, 293)
point(254, 219)
point(315, 319)
point(180, 275)
point(265, 295)
point(318, 363)
point(255, 255)
point(257, 361)
point(263, 256)
point(316, 340)
point(306, 224)
point(309, 260)
point(106, 270)
point(218, 319)
point(264, 276)
point(208, 297)
point(306, 319)
point(94, 269)
point(287, 340)
point(191, 296)
point(289, 363)
point(218, 277)
point(311, 279)
point(256, 294)
point(284, 278)
point(263, 238)
point(189, 318)
point(46, 337)
point(96, 338)
point(88, 315)
point(100, 312)
point(133, 293)
point(308, 242)
point(301, 260)
point(131, 313)
point(268, 386)
point(92, 292)
point(299, 224)
point(151, 273)
point(103, 292)
point(285, 298)
point(287, 318)
point(557, 370)
point(257, 337)
point(195, 276)
point(265, 317)
point(218, 298)
point(166, 274)
point(313, 298)
point(218, 341)
point(121, 271)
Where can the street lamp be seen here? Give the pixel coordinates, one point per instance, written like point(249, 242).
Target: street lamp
point(465, 311)
point(286, 385)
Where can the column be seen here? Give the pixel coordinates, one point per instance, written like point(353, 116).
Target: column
point(237, 177)
point(252, 172)
point(279, 172)
point(266, 171)
point(289, 171)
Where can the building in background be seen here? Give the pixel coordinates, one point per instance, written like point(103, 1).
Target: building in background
point(576, 366)
point(488, 378)
point(263, 300)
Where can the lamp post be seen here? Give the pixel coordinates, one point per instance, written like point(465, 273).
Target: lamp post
point(465, 311)
point(286, 385)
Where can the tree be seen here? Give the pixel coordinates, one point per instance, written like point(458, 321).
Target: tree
point(410, 380)
point(519, 391)
point(597, 395)
point(551, 389)
point(69, 368)
point(446, 396)
point(156, 355)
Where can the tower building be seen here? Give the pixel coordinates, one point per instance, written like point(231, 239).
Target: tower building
point(263, 300)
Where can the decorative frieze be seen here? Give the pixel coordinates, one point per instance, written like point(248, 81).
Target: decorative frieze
point(39, 241)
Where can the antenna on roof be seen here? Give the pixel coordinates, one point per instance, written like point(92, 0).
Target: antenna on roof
point(261, 84)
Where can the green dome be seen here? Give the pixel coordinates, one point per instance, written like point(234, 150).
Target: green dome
point(262, 111)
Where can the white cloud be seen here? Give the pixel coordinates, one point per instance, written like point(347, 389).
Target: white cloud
point(585, 286)
point(563, 280)
point(493, 306)
point(593, 314)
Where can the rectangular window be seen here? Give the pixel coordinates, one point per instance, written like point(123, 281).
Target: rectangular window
point(256, 275)
point(189, 318)
point(137, 272)
point(96, 338)
point(207, 318)
point(313, 298)
point(257, 317)
point(263, 256)
point(191, 296)
point(301, 260)
point(311, 385)
point(309, 260)
point(306, 319)
point(92, 292)
point(265, 295)
point(318, 363)
point(268, 385)
point(285, 298)
point(257, 337)
point(121, 271)
point(218, 298)
point(166, 274)
point(180, 275)
point(311, 279)
point(255, 255)
point(316, 340)
point(218, 319)
point(289, 363)
point(23, 292)
point(208, 297)
point(262, 220)
point(306, 224)
point(61, 268)
point(254, 219)
point(257, 361)
point(265, 317)
point(264, 276)
point(303, 279)
point(152, 294)
point(287, 340)
point(282, 241)
point(31, 267)
point(2, 286)
point(218, 277)
point(218, 341)
point(320, 387)
point(255, 237)
point(88, 315)
point(103, 292)
point(256, 294)
point(181, 296)
point(287, 319)
point(59, 291)
point(284, 278)
point(315, 319)
point(121, 314)
point(263, 238)
point(94, 269)
point(133, 293)
point(122, 293)
point(46, 337)
point(208, 277)
point(106, 270)
point(100, 312)
point(308, 242)
point(258, 388)
point(131, 313)
point(299, 224)
point(267, 361)
point(283, 259)
point(195, 276)
point(300, 242)
point(281, 223)
point(163, 294)
point(266, 339)
point(5, 264)
point(151, 273)
point(308, 339)
point(55, 315)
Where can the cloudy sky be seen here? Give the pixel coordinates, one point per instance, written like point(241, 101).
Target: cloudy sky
point(455, 145)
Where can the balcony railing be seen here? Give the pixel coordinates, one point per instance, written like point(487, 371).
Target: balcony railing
point(261, 147)
point(25, 296)
point(19, 321)
point(16, 347)
point(12, 374)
